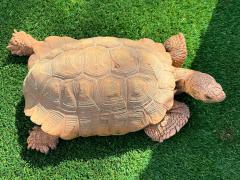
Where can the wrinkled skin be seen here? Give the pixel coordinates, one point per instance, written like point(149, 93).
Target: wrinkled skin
point(204, 87)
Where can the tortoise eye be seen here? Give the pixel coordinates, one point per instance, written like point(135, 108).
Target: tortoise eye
point(208, 97)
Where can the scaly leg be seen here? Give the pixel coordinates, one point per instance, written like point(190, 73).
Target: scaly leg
point(176, 46)
point(41, 141)
point(174, 120)
point(21, 44)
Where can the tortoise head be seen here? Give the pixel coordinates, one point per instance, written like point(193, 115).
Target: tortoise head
point(204, 87)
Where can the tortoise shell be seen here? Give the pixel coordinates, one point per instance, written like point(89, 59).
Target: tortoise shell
point(99, 86)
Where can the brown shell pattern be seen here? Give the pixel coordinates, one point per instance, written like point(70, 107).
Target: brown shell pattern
point(99, 86)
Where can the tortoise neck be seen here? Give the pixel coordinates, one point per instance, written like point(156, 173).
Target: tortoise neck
point(182, 76)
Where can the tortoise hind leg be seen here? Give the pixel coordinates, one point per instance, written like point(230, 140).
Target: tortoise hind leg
point(176, 46)
point(173, 121)
point(41, 141)
point(21, 44)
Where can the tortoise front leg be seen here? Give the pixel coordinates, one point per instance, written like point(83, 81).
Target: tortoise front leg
point(41, 141)
point(174, 120)
point(176, 46)
point(22, 44)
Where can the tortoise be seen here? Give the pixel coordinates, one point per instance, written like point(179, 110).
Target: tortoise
point(105, 86)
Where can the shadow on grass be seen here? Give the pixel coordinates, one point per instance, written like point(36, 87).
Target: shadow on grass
point(214, 138)
point(12, 59)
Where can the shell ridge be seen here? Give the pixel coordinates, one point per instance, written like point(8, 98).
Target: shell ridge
point(70, 124)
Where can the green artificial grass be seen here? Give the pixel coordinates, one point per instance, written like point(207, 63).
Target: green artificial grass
point(207, 147)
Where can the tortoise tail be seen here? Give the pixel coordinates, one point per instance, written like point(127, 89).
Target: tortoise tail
point(176, 46)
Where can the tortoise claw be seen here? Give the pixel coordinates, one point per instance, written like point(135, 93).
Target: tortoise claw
point(41, 141)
